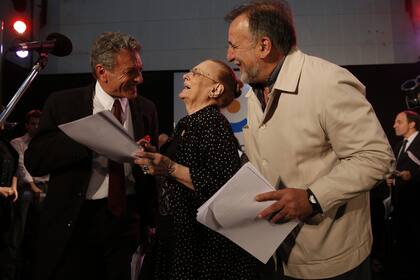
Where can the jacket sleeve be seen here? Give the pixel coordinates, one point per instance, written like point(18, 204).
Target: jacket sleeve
point(357, 138)
point(51, 150)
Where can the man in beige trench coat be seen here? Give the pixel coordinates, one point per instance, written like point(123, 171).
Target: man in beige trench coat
point(309, 124)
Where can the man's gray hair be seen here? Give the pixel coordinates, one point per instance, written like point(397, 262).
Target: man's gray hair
point(271, 18)
point(107, 45)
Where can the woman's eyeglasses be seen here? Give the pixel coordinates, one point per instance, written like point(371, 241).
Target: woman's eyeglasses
point(196, 71)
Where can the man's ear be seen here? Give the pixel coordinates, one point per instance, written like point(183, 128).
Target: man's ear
point(216, 91)
point(264, 47)
point(101, 74)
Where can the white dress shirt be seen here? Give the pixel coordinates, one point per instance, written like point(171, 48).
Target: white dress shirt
point(99, 181)
point(21, 144)
point(410, 140)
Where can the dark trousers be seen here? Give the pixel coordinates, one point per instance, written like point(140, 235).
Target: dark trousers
point(102, 245)
point(272, 270)
point(20, 236)
point(405, 245)
point(360, 272)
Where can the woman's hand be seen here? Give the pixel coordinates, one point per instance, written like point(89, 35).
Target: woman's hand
point(153, 163)
point(158, 164)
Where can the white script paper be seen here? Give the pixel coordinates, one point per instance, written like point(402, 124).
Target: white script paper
point(232, 211)
point(104, 134)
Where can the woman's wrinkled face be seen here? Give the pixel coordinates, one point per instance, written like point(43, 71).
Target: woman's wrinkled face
point(199, 81)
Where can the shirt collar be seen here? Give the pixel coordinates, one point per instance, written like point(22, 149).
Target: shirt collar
point(107, 101)
point(411, 138)
point(271, 79)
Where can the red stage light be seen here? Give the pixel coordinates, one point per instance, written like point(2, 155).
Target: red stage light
point(20, 26)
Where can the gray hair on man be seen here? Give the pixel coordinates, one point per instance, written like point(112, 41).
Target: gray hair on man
point(107, 45)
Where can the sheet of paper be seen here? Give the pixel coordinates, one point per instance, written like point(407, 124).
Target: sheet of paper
point(232, 212)
point(104, 134)
point(388, 207)
point(413, 158)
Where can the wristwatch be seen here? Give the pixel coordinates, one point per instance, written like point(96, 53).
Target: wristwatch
point(316, 208)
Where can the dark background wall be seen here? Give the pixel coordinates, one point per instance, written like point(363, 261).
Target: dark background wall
point(382, 82)
point(383, 91)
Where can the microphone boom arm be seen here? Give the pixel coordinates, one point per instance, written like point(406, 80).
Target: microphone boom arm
point(38, 66)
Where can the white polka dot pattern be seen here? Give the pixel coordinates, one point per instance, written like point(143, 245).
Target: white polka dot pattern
point(186, 249)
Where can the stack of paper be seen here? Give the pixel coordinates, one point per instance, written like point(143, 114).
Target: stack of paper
point(232, 212)
point(104, 134)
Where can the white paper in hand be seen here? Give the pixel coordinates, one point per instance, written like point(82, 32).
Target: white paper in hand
point(232, 211)
point(104, 134)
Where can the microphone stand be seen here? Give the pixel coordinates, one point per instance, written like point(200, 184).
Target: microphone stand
point(38, 66)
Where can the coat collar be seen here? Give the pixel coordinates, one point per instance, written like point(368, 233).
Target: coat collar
point(287, 82)
point(288, 78)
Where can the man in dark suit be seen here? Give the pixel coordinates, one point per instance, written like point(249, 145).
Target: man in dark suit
point(404, 183)
point(96, 209)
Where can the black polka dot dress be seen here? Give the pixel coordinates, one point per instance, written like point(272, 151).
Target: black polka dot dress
point(185, 249)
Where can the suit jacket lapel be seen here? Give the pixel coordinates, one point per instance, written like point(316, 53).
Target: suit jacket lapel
point(402, 159)
point(414, 146)
point(137, 118)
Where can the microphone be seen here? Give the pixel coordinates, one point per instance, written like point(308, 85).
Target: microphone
point(56, 44)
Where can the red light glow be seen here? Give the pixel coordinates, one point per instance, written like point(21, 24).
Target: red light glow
point(19, 26)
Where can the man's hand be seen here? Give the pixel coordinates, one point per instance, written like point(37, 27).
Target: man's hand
point(144, 143)
point(6, 191)
point(389, 181)
point(405, 175)
point(290, 204)
point(36, 191)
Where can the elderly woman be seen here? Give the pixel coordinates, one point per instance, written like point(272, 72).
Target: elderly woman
point(201, 157)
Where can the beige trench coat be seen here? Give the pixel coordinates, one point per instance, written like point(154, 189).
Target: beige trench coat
point(320, 132)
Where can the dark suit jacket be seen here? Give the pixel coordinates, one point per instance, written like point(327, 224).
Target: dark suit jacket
point(406, 192)
point(405, 196)
point(69, 165)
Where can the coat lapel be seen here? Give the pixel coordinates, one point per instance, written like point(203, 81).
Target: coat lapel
point(287, 81)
